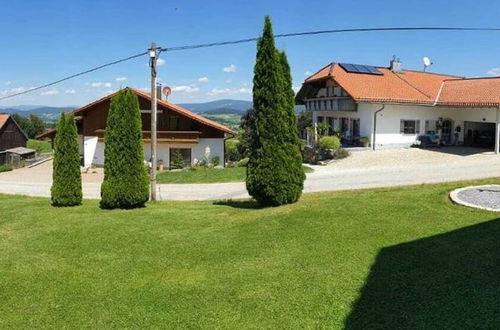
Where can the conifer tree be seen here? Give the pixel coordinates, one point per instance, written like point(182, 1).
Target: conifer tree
point(274, 172)
point(125, 182)
point(66, 187)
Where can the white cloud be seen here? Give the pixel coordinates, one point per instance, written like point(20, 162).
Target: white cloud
point(494, 72)
point(308, 73)
point(70, 91)
point(231, 68)
point(17, 89)
point(296, 88)
point(185, 89)
point(121, 78)
point(100, 84)
point(229, 91)
point(50, 92)
point(203, 79)
point(160, 62)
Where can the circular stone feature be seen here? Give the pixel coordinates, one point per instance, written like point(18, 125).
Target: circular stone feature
point(485, 197)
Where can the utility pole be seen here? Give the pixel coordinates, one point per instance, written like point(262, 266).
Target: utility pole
point(153, 57)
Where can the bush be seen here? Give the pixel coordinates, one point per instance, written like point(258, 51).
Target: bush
point(176, 162)
point(233, 149)
point(66, 187)
point(364, 141)
point(215, 161)
point(6, 168)
point(341, 153)
point(329, 142)
point(126, 183)
point(323, 128)
point(243, 162)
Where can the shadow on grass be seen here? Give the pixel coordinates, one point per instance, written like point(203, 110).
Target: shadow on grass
point(240, 204)
point(447, 281)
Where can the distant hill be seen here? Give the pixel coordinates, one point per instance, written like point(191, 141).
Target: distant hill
point(210, 109)
point(219, 106)
point(47, 113)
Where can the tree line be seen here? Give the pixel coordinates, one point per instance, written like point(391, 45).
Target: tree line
point(32, 125)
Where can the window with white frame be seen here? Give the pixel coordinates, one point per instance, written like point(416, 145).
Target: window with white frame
point(409, 126)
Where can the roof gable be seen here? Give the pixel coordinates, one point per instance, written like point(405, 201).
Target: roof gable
point(170, 106)
point(3, 119)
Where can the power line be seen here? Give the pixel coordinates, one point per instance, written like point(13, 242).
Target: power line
point(297, 34)
point(240, 41)
point(73, 76)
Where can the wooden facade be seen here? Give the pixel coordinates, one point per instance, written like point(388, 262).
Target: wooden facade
point(171, 126)
point(11, 135)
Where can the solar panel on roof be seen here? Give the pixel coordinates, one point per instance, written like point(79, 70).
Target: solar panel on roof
point(360, 68)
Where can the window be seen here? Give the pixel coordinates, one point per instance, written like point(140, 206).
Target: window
point(184, 152)
point(173, 123)
point(409, 126)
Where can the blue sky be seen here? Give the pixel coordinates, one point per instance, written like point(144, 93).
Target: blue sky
point(45, 40)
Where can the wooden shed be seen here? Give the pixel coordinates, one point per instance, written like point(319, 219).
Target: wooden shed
point(11, 135)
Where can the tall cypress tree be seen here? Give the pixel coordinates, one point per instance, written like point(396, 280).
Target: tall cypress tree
point(125, 182)
point(66, 187)
point(274, 172)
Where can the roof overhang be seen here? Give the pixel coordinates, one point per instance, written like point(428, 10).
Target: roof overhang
point(169, 106)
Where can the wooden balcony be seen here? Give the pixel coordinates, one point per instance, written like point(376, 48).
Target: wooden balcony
point(165, 136)
point(331, 104)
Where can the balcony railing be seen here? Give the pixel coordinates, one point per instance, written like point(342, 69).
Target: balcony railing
point(331, 104)
point(165, 136)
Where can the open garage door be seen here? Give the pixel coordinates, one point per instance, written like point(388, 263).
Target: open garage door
point(479, 134)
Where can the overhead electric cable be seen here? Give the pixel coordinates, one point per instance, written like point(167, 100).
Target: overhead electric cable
point(240, 41)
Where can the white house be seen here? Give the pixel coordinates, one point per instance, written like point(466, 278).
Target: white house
point(178, 130)
point(393, 107)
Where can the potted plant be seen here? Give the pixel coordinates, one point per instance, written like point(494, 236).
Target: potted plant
point(364, 141)
point(160, 165)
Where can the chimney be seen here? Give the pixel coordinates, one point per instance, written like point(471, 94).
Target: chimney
point(158, 92)
point(395, 65)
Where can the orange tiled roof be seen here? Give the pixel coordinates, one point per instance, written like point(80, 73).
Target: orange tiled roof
point(3, 119)
point(405, 87)
point(168, 105)
point(474, 92)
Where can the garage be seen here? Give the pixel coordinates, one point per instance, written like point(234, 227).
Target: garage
point(479, 134)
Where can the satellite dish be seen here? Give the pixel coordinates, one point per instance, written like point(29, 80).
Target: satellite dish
point(427, 62)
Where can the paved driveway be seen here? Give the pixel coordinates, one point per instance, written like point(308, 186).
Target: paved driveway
point(363, 169)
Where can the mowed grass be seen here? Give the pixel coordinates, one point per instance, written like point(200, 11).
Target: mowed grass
point(40, 146)
point(208, 175)
point(389, 258)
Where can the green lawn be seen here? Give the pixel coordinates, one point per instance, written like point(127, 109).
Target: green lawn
point(208, 175)
point(388, 258)
point(39, 146)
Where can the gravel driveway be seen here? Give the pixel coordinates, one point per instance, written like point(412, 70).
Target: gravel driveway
point(362, 169)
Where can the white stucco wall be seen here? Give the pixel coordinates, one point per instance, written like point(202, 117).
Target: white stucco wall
point(94, 150)
point(388, 120)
